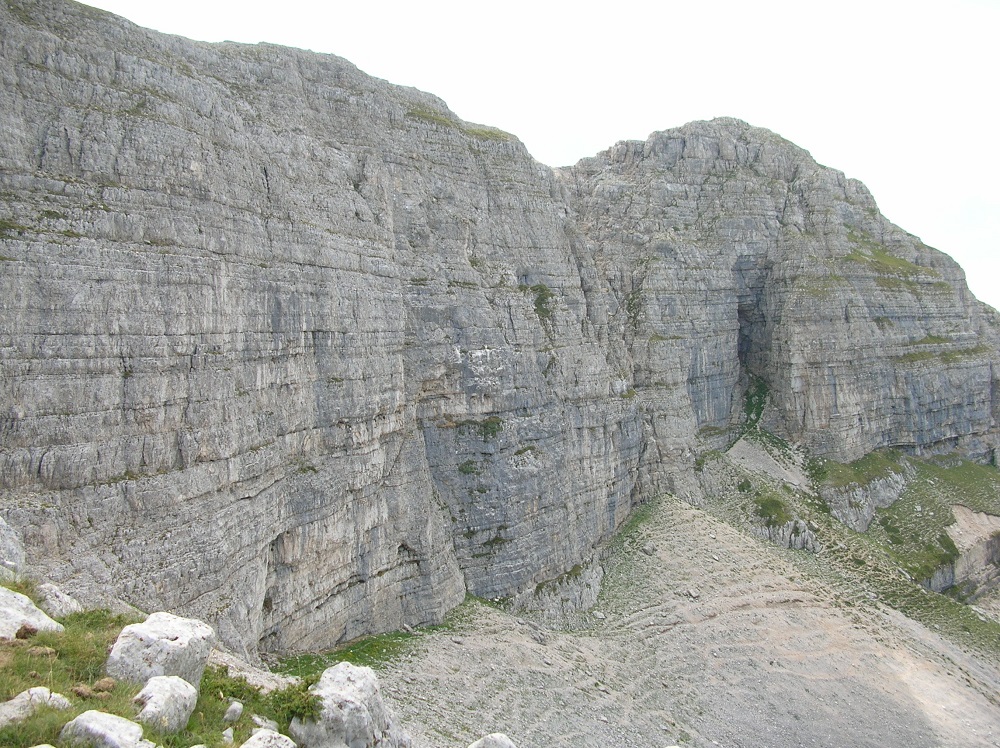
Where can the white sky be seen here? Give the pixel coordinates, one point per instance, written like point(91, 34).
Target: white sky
point(902, 95)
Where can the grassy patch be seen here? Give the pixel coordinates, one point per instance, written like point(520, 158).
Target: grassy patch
point(8, 228)
point(772, 509)
point(469, 467)
point(753, 402)
point(488, 428)
point(543, 300)
point(873, 254)
point(878, 464)
point(948, 357)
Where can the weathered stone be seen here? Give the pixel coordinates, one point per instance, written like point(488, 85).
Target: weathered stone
point(164, 644)
point(353, 713)
point(264, 723)
point(315, 364)
point(494, 740)
point(167, 703)
point(27, 702)
point(95, 729)
point(233, 712)
point(57, 603)
point(18, 615)
point(269, 739)
point(11, 551)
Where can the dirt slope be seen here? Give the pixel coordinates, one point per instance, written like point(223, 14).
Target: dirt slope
point(703, 638)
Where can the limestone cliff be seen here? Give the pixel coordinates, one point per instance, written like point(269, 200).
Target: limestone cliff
point(300, 352)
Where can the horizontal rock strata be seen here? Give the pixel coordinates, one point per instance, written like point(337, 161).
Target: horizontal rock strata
point(303, 354)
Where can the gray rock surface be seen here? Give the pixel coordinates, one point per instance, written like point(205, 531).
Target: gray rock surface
point(269, 739)
point(94, 729)
point(17, 610)
point(167, 703)
point(57, 603)
point(494, 740)
point(353, 713)
point(300, 353)
point(163, 644)
point(855, 503)
point(233, 712)
point(25, 703)
point(11, 551)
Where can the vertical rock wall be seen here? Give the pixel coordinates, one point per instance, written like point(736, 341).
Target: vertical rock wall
point(300, 352)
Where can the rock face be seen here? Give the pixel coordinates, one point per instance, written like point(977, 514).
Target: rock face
point(300, 353)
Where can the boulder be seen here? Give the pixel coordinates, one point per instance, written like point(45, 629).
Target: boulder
point(95, 729)
point(164, 644)
point(17, 610)
point(269, 739)
point(234, 712)
point(167, 703)
point(353, 713)
point(263, 723)
point(494, 740)
point(57, 603)
point(25, 703)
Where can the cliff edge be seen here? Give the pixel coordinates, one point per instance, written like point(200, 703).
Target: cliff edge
point(299, 352)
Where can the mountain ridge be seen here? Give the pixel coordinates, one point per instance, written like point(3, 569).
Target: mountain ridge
point(302, 353)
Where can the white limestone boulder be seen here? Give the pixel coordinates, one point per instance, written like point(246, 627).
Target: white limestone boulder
point(27, 702)
point(167, 703)
point(57, 603)
point(17, 610)
point(353, 713)
point(269, 739)
point(95, 729)
point(163, 644)
point(494, 740)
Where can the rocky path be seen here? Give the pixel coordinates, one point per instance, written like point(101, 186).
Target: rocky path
point(701, 637)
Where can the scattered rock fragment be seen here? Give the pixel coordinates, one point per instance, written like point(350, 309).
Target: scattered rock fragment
point(234, 712)
point(649, 549)
point(263, 723)
point(167, 703)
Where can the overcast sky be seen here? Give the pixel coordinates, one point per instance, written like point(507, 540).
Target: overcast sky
point(899, 94)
